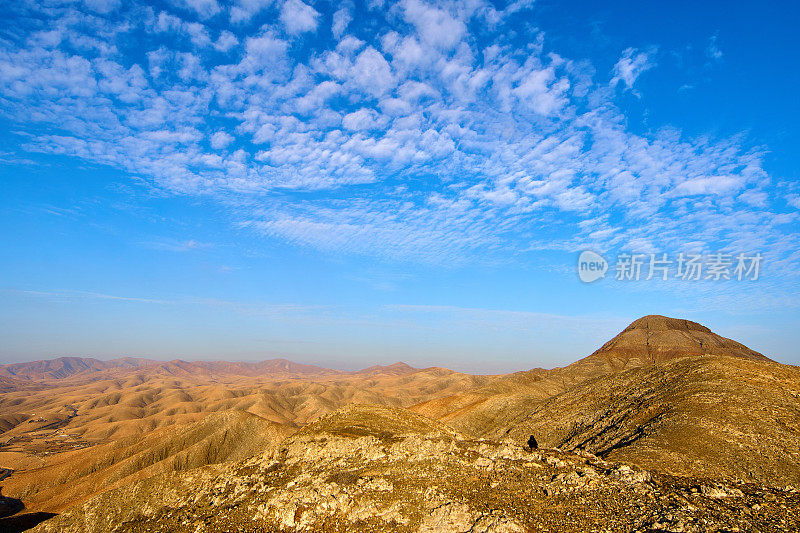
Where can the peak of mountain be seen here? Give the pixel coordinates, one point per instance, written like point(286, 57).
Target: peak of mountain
point(395, 369)
point(282, 367)
point(665, 323)
point(655, 338)
point(59, 368)
point(665, 393)
point(66, 367)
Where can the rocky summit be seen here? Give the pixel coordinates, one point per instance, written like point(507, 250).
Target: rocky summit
point(667, 427)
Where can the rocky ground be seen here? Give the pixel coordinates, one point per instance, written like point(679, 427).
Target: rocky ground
point(348, 472)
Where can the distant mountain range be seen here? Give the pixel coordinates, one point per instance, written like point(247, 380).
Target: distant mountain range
point(68, 367)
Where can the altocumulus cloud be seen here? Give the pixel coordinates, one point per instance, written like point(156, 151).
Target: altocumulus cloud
point(424, 132)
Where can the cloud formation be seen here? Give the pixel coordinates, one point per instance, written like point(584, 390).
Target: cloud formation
point(435, 138)
point(630, 66)
point(298, 17)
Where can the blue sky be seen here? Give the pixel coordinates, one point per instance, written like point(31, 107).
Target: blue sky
point(360, 183)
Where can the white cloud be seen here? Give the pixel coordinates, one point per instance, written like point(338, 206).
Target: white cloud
point(372, 72)
point(226, 41)
point(298, 17)
point(705, 185)
point(220, 140)
point(793, 200)
point(630, 66)
point(244, 10)
point(71, 295)
point(755, 198)
point(264, 52)
point(204, 8)
point(435, 26)
point(341, 19)
point(172, 245)
point(712, 49)
point(349, 45)
point(461, 152)
point(539, 91)
point(196, 32)
point(363, 119)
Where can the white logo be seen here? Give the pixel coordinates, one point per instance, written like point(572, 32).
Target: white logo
point(591, 266)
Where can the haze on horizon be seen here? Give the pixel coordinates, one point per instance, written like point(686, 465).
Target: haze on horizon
point(364, 183)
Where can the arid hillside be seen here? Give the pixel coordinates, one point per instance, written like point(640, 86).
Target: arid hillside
point(90, 426)
point(723, 416)
point(368, 468)
point(667, 423)
point(665, 394)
